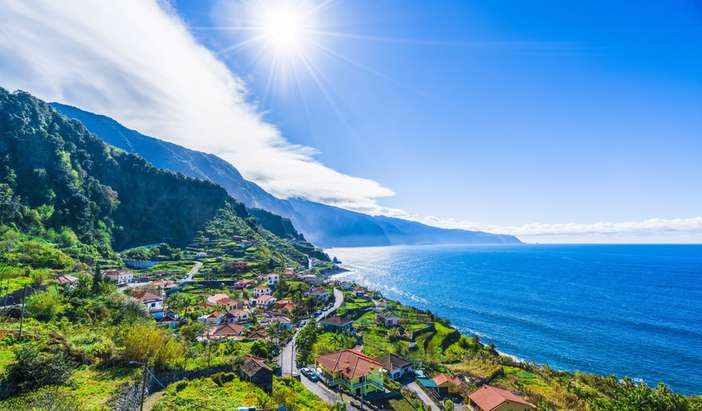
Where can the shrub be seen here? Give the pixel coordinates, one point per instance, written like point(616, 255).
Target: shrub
point(153, 345)
point(34, 368)
point(49, 398)
point(44, 305)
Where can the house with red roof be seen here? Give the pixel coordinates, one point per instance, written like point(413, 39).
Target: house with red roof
point(352, 370)
point(226, 330)
point(264, 301)
point(448, 384)
point(489, 398)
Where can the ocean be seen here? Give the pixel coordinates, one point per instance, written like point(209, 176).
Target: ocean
point(631, 310)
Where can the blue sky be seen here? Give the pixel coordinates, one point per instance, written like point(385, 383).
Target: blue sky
point(477, 114)
point(503, 111)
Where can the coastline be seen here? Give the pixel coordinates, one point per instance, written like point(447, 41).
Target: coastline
point(423, 304)
point(575, 308)
point(351, 270)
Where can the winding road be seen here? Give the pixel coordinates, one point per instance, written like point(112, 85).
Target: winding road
point(191, 274)
point(287, 365)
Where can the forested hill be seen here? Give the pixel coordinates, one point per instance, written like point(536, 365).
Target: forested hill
point(54, 174)
point(324, 225)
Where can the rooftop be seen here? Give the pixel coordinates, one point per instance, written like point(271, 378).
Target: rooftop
point(226, 330)
point(393, 362)
point(252, 365)
point(336, 320)
point(350, 363)
point(488, 397)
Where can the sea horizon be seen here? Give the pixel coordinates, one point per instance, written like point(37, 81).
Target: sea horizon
point(538, 334)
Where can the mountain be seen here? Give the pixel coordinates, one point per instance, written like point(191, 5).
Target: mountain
point(321, 224)
point(56, 175)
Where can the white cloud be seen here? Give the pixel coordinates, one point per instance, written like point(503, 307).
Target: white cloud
point(137, 62)
point(649, 230)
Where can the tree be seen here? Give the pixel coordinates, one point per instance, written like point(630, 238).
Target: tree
point(97, 279)
point(191, 331)
point(259, 349)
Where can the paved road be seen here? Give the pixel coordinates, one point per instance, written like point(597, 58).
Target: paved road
point(287, 365)
point(329, 396)
point(193, 271)
point(426, 399)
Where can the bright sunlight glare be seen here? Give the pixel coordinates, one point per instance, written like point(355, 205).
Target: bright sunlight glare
point(283, 29)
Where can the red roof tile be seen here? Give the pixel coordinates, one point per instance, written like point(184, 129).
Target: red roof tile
point(488, 398)
point(350, 363)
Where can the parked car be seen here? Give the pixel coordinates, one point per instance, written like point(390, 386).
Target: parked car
point(310, 373)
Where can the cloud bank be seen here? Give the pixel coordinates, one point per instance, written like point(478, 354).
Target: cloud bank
point(135, 61)
point(649, 230)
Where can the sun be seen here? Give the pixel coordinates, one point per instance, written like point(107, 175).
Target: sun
point(283, 28)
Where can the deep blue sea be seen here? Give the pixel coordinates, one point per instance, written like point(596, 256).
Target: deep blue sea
point(631, 310)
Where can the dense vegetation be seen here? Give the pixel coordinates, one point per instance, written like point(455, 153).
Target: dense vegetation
point(55, 174)
point(57, 180)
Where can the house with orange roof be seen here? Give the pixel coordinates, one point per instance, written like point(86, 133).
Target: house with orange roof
point(245, 283)
point(352, 370)
point(226, 330)
point(489, 398)
point(285, 306)
point(447, 384)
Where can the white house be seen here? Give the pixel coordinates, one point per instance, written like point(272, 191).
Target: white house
point(272, 279)
point(119, 276)
point(214, 318)
point(261, 290)
point(240, 315)
point(153, 302)
point(395, 365)
point(263, 301)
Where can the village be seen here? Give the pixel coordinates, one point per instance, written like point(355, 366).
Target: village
point(346, 344)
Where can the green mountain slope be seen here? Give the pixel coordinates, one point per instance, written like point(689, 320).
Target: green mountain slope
point(55, 174)
point(324, 225)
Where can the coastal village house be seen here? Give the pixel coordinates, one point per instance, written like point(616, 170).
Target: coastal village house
point(264, 301)
point(225, 301)
point(396, 366)
point(319, 293)
point(236, 265)
point(272, 279)
point(255, 371)
point(119, 276)
point(447, 384)
point(153, 302)
point(66, 280)
point(218, 332)
point(285, 306)
point(336, 324)
point(489, 398)
point(352, 370)
point(213, 318)
point(261, 290)
point(388, 319)
point(245, 283)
